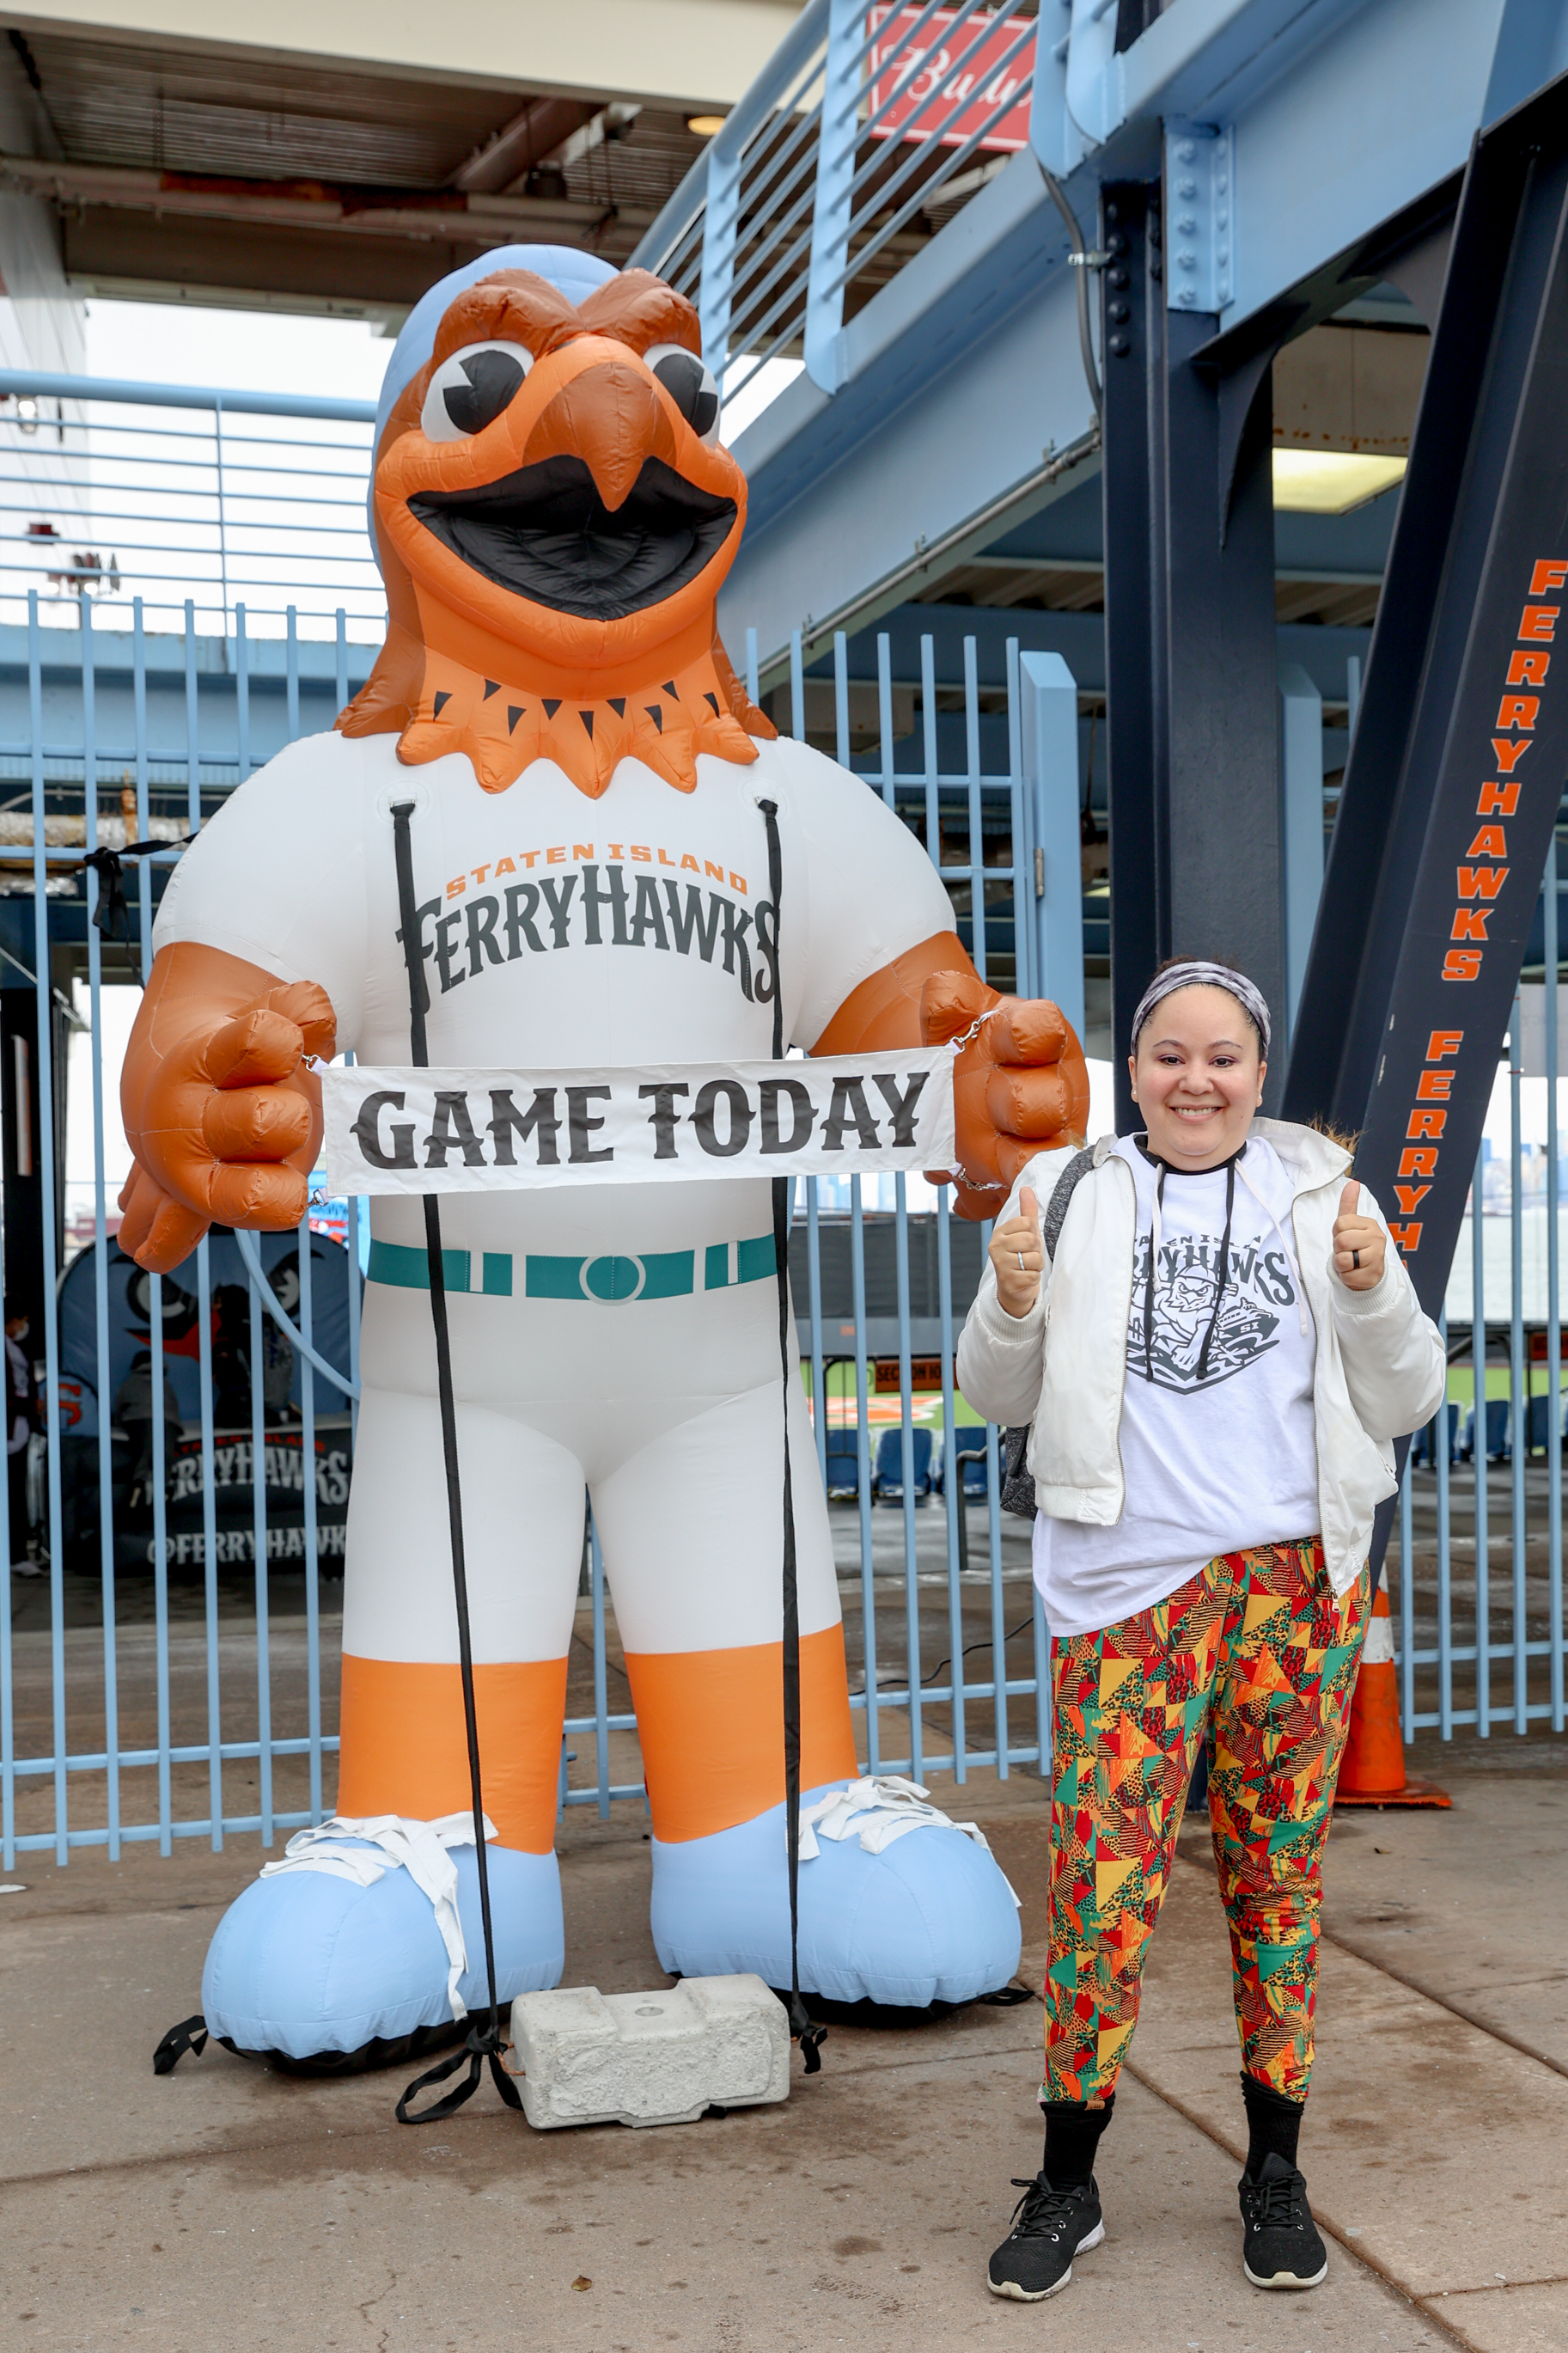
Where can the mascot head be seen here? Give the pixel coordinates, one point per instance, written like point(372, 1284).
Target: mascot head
point(553, 515)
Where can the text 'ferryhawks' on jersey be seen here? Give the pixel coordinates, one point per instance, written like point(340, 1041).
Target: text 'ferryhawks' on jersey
point(594, 908)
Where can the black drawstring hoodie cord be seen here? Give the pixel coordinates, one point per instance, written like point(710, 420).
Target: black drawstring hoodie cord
point(1224, 1264)
point(1224, 1272)
point(1148, 1286)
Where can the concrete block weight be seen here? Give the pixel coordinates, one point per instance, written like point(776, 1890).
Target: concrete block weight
point(588, 2058)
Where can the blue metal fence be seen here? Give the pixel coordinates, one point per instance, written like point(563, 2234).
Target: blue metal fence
point(134, 1706)
point(107, 1737)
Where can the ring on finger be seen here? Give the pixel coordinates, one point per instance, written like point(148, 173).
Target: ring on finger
point(1355, 1260)
point(1022, 1268)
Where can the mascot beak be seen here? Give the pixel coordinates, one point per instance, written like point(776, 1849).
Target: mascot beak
point(610, 417)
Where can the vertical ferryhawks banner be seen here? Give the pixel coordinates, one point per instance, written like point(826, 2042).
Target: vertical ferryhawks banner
point(472, 1131)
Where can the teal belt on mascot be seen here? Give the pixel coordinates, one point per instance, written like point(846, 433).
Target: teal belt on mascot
point(609, 1278)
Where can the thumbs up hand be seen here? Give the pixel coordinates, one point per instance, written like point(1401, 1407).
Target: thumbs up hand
point(1018, 1255)
point(1360, 1243)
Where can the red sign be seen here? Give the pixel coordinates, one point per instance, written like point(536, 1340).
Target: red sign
point(952, 81)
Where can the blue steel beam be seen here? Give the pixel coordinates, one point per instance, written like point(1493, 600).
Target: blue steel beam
point(1452, 793)
point(1079, 638)
point(169, 668)
point(962, 372)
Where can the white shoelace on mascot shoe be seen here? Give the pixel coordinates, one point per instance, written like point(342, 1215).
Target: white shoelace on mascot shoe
point(384, 1842)
point(878, 1810)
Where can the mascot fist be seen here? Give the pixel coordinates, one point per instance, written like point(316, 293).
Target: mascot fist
point(1021, 1086)
point(224, 1120)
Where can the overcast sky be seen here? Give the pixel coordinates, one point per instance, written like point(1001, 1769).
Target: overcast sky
point(338, 359)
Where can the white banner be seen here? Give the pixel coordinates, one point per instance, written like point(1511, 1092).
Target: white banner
point(409, 1131)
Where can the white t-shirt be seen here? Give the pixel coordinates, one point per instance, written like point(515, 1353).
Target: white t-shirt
point(1213, 1465)
point(561, 931)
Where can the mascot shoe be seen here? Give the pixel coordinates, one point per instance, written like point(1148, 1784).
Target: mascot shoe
point(362, 1949)
point(898, 1906)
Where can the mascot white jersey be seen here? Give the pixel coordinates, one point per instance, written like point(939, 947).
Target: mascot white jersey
point(584, 783)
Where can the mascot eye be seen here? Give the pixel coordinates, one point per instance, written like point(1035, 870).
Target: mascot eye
point(690, 385)
point(470, 390)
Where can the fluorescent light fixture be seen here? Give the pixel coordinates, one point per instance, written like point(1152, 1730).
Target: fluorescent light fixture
point(1332, 482)
point(705, 126)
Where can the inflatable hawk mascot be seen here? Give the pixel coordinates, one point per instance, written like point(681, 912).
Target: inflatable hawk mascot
point(554, 514)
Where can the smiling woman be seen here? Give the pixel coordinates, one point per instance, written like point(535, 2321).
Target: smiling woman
point(1214, 1348)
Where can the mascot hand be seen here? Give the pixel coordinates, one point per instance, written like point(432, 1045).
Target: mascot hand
point(223, 1119)
point(1021, 1086)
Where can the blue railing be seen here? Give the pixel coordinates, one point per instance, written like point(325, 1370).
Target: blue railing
point(865, 121)
point(111, 490)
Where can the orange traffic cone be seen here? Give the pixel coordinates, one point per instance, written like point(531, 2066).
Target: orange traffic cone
point(1372, 1771)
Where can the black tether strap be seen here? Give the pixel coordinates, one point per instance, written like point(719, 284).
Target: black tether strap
point(111, 912)
point(808, 2036)
point(190, 2034)
point(483, 2042)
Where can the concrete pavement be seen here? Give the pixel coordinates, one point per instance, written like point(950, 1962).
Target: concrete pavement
point(228, 2206)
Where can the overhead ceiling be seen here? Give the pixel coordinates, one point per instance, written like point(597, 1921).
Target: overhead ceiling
point(221, 173)
point(177, 111)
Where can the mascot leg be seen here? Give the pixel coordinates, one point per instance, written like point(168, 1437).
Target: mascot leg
point(692, 1533)
point(309, 1962)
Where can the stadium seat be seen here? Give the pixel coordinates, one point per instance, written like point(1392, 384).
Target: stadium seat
point(888, 1481)
point(843, 1466)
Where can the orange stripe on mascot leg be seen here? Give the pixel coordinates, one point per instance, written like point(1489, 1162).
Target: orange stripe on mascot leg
point(555, 513)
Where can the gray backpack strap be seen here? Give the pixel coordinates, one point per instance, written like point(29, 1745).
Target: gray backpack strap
point(1017, 1485)
point(1066, 1184)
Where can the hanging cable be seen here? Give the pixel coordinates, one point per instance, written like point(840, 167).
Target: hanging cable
point(1083, 261)
point(802, 2031)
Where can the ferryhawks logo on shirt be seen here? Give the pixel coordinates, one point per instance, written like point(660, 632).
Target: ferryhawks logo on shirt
point(1259, 1284)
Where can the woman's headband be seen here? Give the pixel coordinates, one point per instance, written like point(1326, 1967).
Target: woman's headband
point(1199, 975)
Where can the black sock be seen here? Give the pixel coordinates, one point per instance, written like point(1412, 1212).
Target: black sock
point(1072, 2136)
point(1273, 2122)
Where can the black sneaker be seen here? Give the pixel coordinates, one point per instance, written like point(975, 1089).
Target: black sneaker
point(1279, 2242)
point(1049, 2228)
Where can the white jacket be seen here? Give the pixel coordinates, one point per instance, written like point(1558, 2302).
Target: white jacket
point(1381, 1369)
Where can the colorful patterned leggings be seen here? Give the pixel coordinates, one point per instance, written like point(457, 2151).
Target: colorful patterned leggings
point(1257, 1649)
